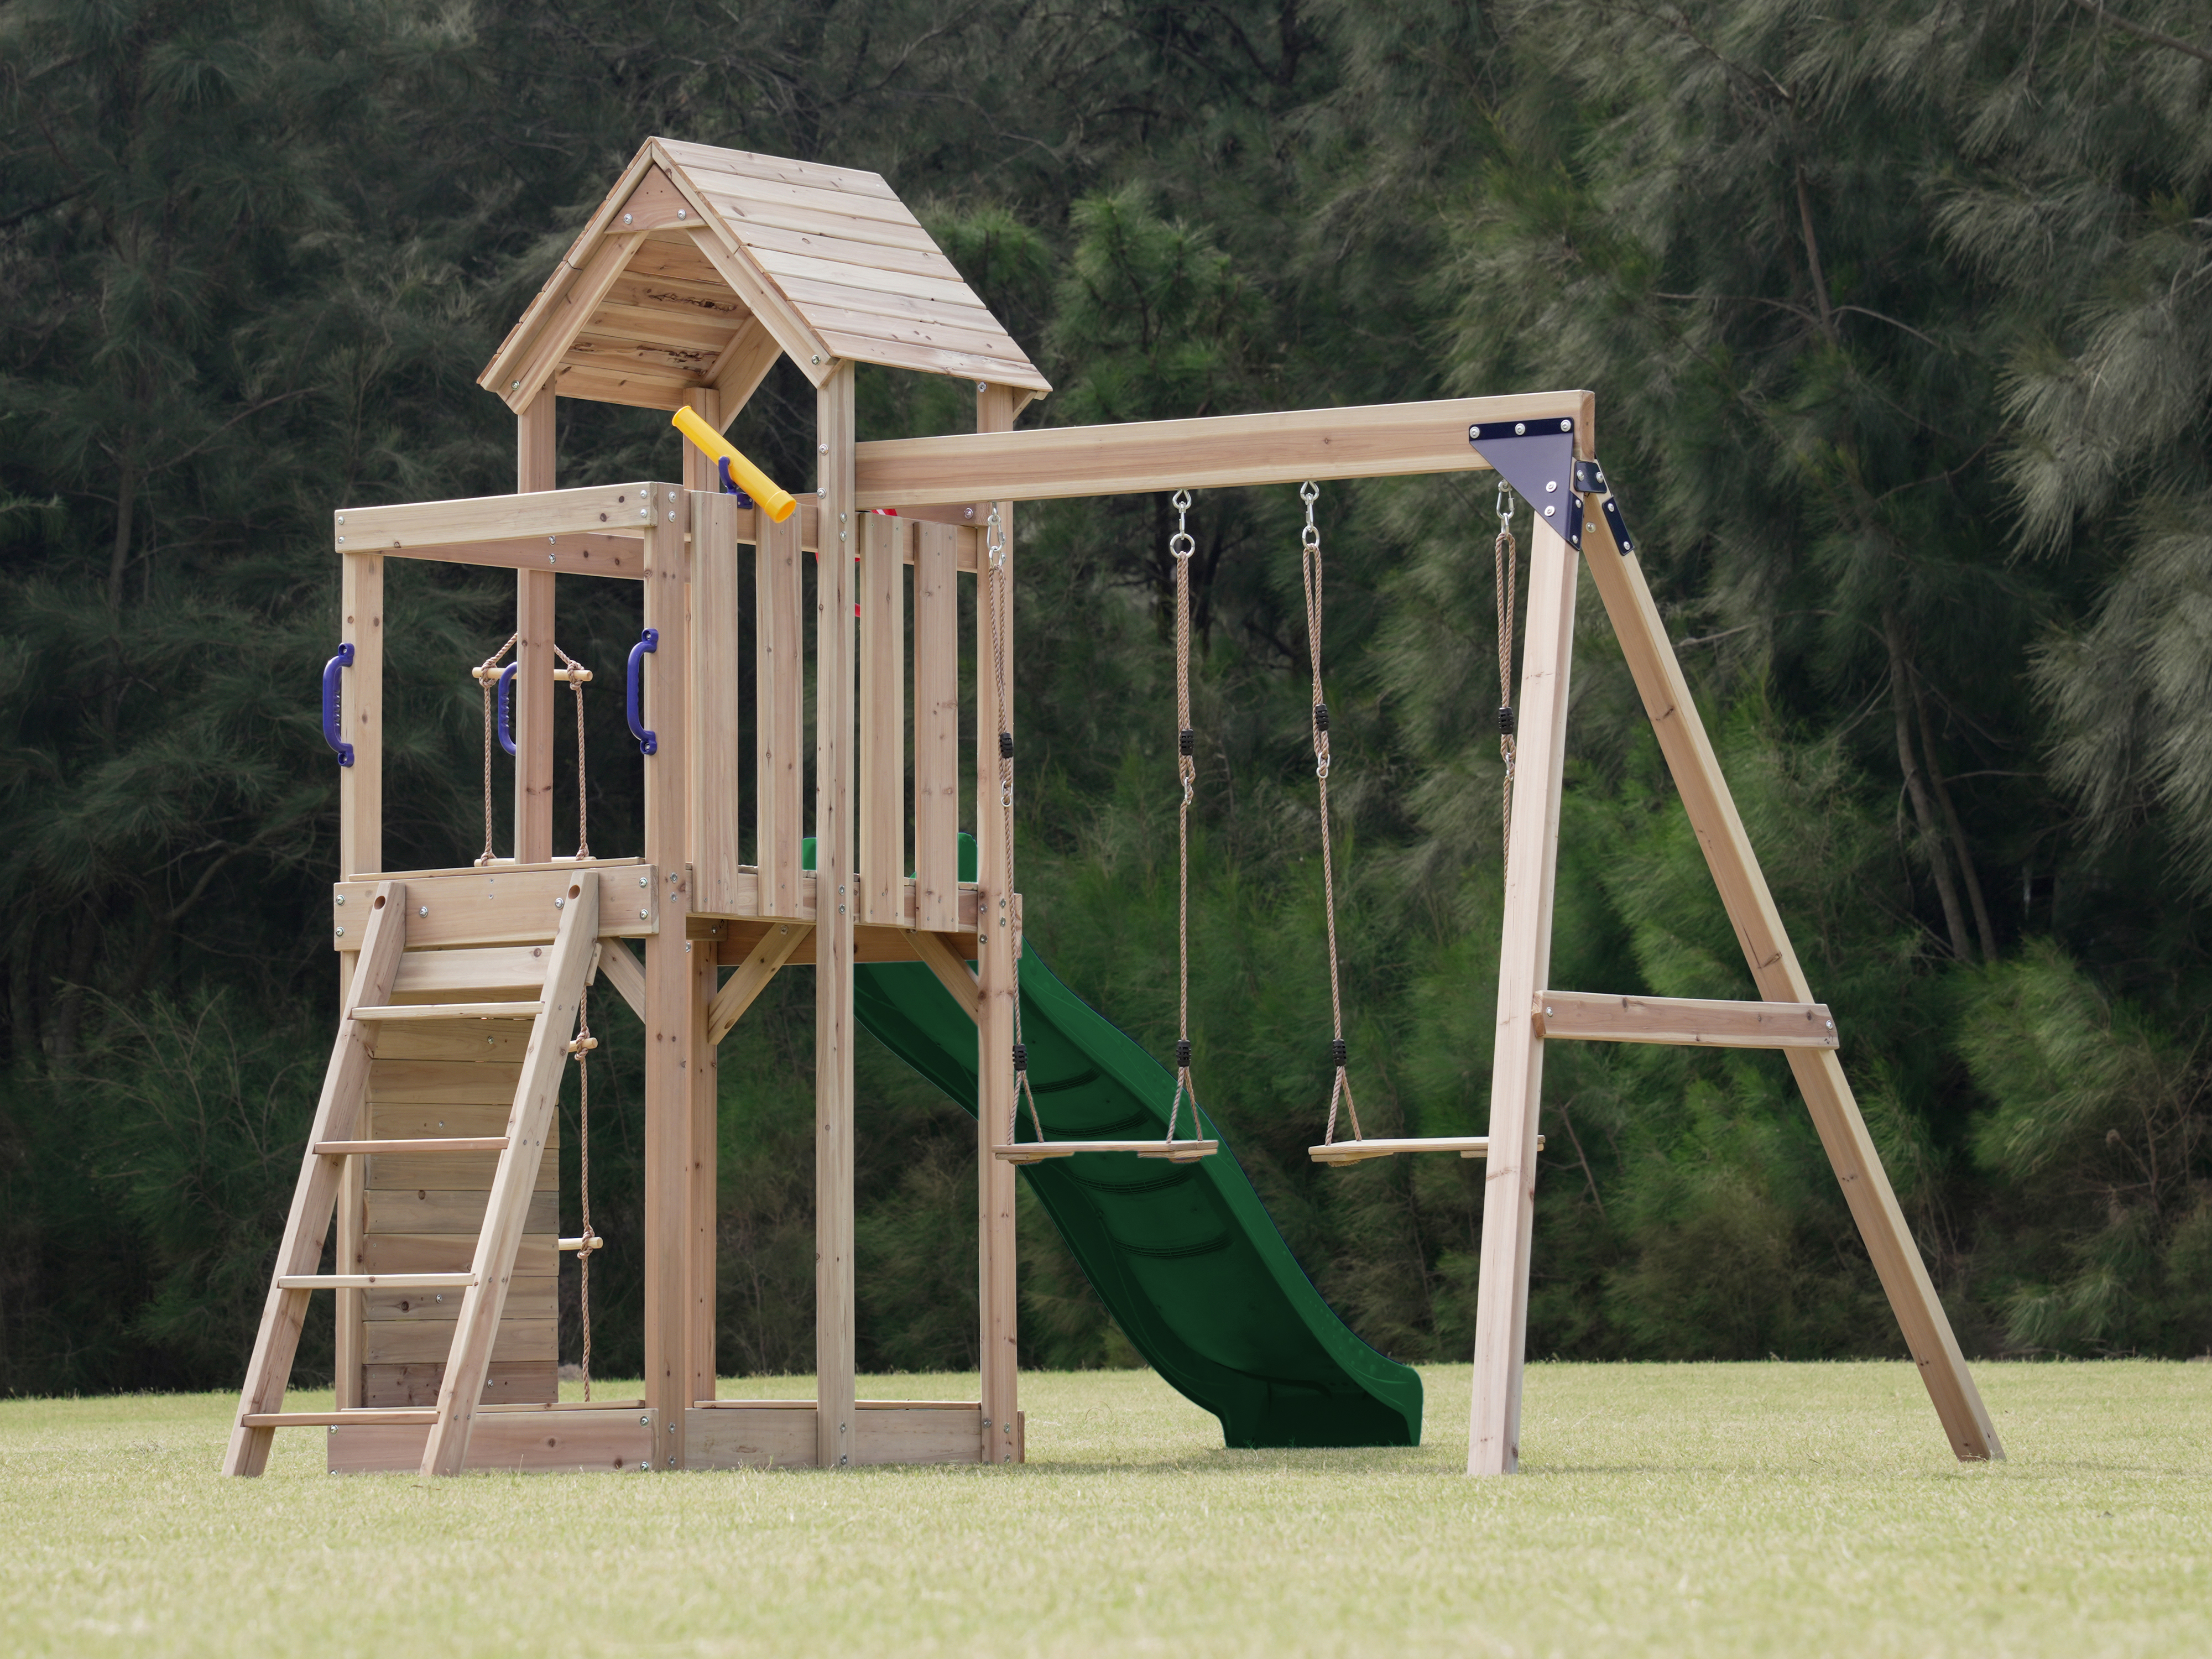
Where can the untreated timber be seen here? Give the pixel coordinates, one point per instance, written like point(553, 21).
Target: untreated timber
point(1381, 440)
point(1687, 1021)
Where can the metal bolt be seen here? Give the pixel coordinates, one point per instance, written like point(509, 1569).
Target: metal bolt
point(1551, 485)
point(645, 1420)
point(982, 385)
point(642, 915)
point(1548, 1013)
point(820, 490)
point(341, 541)
point(967, 512)
point(683, 213)
point(625, 218)
point(341, 518)
point(1518, 428)
point(560, 903)
point(817, 356)
point(340, 933)
point(641, 880)
point(687, 947)
point(1566, 425)
point(1549, 509)
point(341, 898)
point(422, 910)
point(550, 559)
point(822, 449)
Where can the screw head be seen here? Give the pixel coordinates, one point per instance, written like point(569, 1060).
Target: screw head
point(683, 213)
point(982, 385)
point(642, 881)
point(1518, 428)
point(642, 915)
point(422, 910)
point(1566, 425)
point(560, 903)
point(340, 933)
point(341, 898)
point(817, 356)
point(625, 218)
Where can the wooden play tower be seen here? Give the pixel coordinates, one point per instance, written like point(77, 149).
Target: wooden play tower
point(460, 987)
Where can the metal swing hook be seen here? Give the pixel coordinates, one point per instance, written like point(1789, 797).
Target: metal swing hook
point(1504, 504)
point(1181, 544)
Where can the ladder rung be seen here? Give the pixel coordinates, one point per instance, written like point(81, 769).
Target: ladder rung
point(573, 1245)
point(452, 1010)
point(374, 1281)
point(393, 1148)
point(370, 1415)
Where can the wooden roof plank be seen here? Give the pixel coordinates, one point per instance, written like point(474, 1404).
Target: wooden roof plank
point(745, 163)
point(798, 338)
point(929, 360)
point(929, 261)
point(790, 270)
point(603, 385)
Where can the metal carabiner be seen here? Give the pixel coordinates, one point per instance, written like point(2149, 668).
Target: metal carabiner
point(1504, 504)
point(1181, 544)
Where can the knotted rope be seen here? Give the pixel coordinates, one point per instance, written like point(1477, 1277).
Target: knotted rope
point(1310, 568)
point(1181, 546)
point(999, 591)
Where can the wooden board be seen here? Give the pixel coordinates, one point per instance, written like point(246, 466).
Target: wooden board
point(1377, 442)
point(504, 904)
point(529, 1297)
point(881, 876)
point(717, 664)
point(441, 1252)
point(507, 1383)
point(936, 729)
point(742, 1438)
point(444, 1210)
point(566, 555)
point(1692, 1021)
point(479, 974)
point(780, 713)
point(618, 1441)
point(598, 509)
point(919, 1434)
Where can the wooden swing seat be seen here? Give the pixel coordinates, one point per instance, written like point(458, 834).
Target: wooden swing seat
point(1338, 1152)
point(1035, 1152)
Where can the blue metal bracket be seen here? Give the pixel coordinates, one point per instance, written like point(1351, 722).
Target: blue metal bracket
point(1537, 457)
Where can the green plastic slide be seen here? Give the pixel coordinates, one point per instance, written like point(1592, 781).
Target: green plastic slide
point(1184, 1254)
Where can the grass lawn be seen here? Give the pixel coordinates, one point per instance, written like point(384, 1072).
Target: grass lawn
point(1714, 1510)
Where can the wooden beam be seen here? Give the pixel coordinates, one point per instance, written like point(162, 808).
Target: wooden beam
point(503, 905)
point(623, 975)
point(1381, 440)
point(835, 1028)
point(998, 947)
point(598, 509)
point(619, 556)
point(566, 319)
point(780, 719)
point(793, 333)
point(361, 852)
point(671, 1006)
point(752, 978)
point(1774, 969)
point(1588, 1017)
point(1516, 1073)
point(717, 656)
point(952, 970)
point(744, 364)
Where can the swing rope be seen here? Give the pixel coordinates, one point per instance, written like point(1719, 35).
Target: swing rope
point(999, 591)
point(1310, 568)
point(1506, 557)
point(486, 673)
point(1181, 546)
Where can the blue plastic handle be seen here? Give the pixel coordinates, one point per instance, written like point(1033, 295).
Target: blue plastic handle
point(649, 640)
point(505, 724)
point(331, 670)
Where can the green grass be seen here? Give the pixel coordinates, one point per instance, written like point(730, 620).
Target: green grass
point(1664, 1509)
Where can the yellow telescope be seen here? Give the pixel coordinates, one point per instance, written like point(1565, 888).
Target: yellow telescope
point(743, 473)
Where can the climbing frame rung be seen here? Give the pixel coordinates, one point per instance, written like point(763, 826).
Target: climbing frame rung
point(387, 1416)
point(395, 1148)
point(451, 1011)
point(374, 1281)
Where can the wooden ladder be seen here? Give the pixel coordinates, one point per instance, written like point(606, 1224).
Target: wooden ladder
point(468, 985)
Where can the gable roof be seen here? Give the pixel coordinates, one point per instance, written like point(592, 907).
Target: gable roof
point(703, 266)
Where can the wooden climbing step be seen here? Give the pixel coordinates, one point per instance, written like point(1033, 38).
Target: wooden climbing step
point(450, 1011)
point(396, 1148)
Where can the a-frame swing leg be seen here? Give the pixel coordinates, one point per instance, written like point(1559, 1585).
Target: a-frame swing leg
point(1516, 1071)
point(1774, 968)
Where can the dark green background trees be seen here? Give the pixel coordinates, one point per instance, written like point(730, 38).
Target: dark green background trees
point(1900, 318)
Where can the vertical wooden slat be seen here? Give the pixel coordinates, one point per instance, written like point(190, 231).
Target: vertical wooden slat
point(705, 1075)
point(529, 1123)
point(835, 1029)
point(883, 719)
point(1775, 969)
point(360, 852)
point(345, 1086)
point(1516, 1073)
point(717, 660)
point(936, 727)
point(699, 472)
point(533, 651)
point(779, 714)
point(671, 1011)
point(997, 943)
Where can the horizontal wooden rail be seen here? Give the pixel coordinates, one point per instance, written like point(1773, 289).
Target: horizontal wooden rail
point(451, 1011)
point(1357, 1151)
point(1688, 1022)
point(1381, 440)
point(504, 904)
point(393, 1148)
point(374, 1281)
point(362, 1415)
point(623, 509)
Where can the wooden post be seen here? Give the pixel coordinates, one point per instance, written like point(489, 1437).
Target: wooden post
point(674, 1015)
point(533, 651)
point(1516, 1071)
point(834, 903)
point(997, 943)
point(779, 716)
point(1774, 968)
point(360, 852)
point(718, 658)
point(700, 472)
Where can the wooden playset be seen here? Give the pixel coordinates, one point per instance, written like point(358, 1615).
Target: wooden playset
point(461, 989)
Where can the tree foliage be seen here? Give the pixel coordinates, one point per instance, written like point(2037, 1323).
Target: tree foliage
point(1900, 319)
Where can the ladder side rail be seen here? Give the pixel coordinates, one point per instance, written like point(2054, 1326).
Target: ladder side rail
point(460, 1391)
point(314, 1198)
